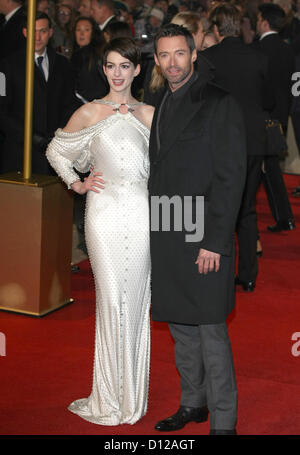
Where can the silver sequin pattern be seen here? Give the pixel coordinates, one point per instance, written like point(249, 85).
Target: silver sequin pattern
point(117, 237)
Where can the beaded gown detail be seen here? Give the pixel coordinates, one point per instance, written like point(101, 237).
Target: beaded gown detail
point(117, 238)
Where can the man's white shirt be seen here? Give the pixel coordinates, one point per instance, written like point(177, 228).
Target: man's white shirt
point(9, 15)
point(101, 26)
point(272, 32)
point(45, 63)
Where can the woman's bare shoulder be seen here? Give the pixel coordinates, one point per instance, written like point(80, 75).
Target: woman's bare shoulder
point(86, 115)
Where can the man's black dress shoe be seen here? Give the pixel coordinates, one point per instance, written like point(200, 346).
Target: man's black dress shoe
point(247, 285)
point(296, 191)
point(288, 225)
point(223, 432)
point(183, 416)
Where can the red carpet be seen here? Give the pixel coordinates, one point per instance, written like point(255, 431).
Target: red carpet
point(49, 361)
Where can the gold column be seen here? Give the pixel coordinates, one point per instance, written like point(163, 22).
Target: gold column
point(36, 246)
point(36, 224)
point(29, 88)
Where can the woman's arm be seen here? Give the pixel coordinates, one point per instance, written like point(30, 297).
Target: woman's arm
point(70, 148)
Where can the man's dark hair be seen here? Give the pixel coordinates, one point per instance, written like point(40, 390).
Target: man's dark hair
point(227, 18)
point(273, 14)
point(109, 3)
point(118, 29)
point(39, 15)
point(125, 47)
point(170, 30)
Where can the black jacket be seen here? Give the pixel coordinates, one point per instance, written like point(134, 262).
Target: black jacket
point(202, 154)
point(91, 82)
point(54, 102)
point(281, 67)
point(243, 71)
point(11, 35)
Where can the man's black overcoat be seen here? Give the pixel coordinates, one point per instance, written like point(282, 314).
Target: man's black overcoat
point(244, 72)
point(202, 154)
point(11, 35)
point(281, 68)
point(54, 103)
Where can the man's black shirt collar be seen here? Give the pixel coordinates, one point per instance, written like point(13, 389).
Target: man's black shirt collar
point(184, 88)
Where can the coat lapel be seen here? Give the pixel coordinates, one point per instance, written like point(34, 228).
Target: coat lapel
point(51, 58)
point(153, 144)
point(189, 106)
point(39, 77)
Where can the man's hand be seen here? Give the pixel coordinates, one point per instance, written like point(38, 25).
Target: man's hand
point(208, 261)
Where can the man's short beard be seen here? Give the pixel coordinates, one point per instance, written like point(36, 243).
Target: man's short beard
point(182, 78)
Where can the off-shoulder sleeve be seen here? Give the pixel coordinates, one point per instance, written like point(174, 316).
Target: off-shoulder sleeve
point(69, 150)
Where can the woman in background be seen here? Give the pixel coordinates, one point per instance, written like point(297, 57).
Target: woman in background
point(193, 22)
point(63, 29)
point(88, 43)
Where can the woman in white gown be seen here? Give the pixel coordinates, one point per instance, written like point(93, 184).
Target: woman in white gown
point(112, 135)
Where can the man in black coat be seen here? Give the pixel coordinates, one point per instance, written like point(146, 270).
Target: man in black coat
point(243, 71)
point(281, 64)
point(103, 11)
point(54, 101)
point(197, 153)
point(11, 36)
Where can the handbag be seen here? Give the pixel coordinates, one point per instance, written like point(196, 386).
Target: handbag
point(275, 140)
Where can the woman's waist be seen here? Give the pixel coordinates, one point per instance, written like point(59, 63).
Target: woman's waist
point(124, 182)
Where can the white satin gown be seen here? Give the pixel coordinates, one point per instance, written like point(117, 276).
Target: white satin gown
point(117, 237)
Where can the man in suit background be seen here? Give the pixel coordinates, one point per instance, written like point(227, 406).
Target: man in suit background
point(290, 31)
point(281, 65)
point(103, 11)
point(11, 36)
point(197, 148)
point(54, 100)
point(243, 71)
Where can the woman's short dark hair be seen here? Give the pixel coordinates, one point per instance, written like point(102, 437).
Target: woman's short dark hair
point(273, 14)
point(170, 30)
point(125, 47)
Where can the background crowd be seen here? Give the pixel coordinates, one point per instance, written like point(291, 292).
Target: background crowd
point(252, 48)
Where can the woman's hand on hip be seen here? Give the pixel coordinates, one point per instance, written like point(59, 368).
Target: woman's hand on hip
point(91, 183)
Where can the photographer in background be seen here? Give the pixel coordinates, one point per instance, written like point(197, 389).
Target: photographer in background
point(146, 28)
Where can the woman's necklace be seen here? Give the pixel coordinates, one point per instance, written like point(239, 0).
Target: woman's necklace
point(123, 108)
